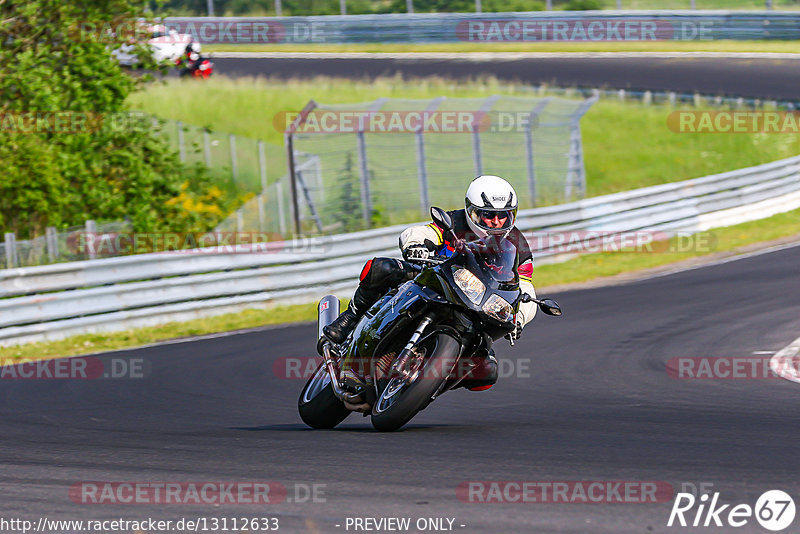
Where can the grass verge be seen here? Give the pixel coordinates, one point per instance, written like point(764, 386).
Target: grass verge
point(581, 269)
point(574, 47)
point(627, 145)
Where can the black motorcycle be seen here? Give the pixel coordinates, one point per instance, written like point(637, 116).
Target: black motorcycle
point(423, 338)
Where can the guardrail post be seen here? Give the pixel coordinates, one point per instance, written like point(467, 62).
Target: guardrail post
point(239, 221)
point(549, 5)
point(409, 6)
point(234, 168)
point(278, 8)
point(11, 249)
point(343, 7)
point(647, 98)
point(363, 174)
point(207, 148)
point(478, 6)
point(672, 98)
point(91, 229)
point(621, 94)
point(181, 144)
point(51, 241)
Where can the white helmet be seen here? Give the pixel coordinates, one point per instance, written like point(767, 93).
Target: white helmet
point(491, 206)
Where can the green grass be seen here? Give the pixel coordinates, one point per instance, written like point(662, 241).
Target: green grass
point(627, 145)
point(623, 46)
point(581, 269)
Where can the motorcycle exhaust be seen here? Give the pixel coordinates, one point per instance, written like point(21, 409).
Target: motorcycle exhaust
point(327, 311)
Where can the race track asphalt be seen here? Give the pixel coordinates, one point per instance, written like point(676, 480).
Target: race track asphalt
point(588, 398)
point(746, 77)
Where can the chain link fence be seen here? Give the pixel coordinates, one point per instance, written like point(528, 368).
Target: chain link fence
point(386, 162)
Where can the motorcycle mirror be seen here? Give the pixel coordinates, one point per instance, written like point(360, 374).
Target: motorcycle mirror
point(441, 218)
point(550, 307)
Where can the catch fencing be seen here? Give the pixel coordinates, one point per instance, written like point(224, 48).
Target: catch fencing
point(358, 166)
point(55, 301)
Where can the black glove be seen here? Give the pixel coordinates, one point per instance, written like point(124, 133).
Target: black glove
point(417, 252)
point(516, 333)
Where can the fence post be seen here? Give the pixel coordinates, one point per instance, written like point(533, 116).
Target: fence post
point(262, 165)
point(51, 240)
point(476, 134)
point(409, 6)
point(549, 5)
point(532, 117)
point(648, 98)
point(234, 168)
point(343, 7)
point(207, 148)
point(91, 229)
point(619, 4)
point(478, 6)
point(181, 145)
point(11, 250)
point(576, 170)
point(422, 174)
point(363, 173)
point(293, 181)
point(281, 214)
point(239, 221)
point(278, 8)
point(672, 99)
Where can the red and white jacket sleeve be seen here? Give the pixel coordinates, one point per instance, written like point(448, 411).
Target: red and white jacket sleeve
point(527, 310)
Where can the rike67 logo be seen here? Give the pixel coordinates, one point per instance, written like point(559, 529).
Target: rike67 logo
point(774, 510)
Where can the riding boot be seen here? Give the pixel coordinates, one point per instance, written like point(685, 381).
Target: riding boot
point(341, 327)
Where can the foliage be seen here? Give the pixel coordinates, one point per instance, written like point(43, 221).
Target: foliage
point(583, 5)
point(70, 148)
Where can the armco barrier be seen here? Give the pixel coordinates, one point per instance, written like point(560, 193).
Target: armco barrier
point(526, 26)
point(54, 301)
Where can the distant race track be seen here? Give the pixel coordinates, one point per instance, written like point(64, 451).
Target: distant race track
point(747, 77)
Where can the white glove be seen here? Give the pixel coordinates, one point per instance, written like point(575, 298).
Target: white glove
point(417, 252)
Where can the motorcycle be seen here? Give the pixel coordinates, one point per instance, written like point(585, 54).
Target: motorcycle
point(198, 67)
point(423, 338)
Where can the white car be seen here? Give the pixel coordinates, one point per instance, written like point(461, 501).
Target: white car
point(166, 45)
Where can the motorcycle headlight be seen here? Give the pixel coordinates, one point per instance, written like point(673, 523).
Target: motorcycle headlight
point(469, 284)
point(499, 308)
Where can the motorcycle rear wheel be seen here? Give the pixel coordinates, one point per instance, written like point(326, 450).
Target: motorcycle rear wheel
point(319, 407)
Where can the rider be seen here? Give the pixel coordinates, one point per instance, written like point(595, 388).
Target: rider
point(191, 56)
point(491, 209)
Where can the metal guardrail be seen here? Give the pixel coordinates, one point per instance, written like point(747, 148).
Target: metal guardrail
point(132, 291)
point(573, 26)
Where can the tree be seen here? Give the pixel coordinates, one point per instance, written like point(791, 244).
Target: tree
point(70, 148)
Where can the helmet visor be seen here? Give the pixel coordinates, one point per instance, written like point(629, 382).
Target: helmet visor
point(493, 220)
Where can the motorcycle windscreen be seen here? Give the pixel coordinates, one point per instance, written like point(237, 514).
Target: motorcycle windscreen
point(497, 258)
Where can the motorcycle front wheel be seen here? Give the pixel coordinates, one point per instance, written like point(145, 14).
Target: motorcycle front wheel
point(399, 401)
